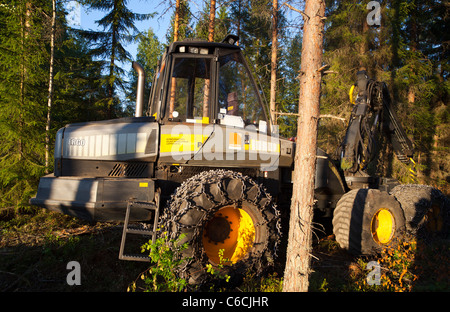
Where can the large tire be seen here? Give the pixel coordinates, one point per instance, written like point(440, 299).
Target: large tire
point(366, 220)
point(221, 209)
point(426, 209)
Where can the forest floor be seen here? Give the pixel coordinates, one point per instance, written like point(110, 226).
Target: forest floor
point(36, 245)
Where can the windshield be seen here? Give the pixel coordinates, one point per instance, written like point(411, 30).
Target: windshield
point(237, 94)
point(190, 88)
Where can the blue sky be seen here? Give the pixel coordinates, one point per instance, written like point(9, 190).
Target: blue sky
point(81, 17)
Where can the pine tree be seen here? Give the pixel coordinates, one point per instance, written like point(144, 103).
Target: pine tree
point(288, 88)
point(298, 254)
point(182, 27)
point(221, 23)
point(78, 82)
point(420, 89)
point(118, 29)
point(149, 52)
point(23, 94)
point(252, 22)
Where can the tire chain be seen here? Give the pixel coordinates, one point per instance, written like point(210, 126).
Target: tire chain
point(420, 198)
point(185, 195)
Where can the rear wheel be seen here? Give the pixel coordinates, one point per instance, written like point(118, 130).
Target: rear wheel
point(227, 219)
point(366, 220)
point(426, 209)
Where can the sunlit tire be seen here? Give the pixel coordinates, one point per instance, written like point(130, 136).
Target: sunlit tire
point(366, 220)
point(426, 209)
point(228, 220)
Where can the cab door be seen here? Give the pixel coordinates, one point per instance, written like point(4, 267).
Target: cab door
point(188, 110)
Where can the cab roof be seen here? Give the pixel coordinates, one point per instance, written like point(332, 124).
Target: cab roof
point(228, 43)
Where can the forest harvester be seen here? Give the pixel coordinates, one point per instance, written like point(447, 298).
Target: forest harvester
point(207, 162)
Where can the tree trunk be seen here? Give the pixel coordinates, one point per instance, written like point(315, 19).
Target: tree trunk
point(212, 21)
point(111, 78)
point(273, 63)
point(413, 46)
point(238, 25)
point(176, 27)
point(298, 257)
point(50, 88)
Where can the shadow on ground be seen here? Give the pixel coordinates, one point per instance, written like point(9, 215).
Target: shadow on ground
point(35, 249)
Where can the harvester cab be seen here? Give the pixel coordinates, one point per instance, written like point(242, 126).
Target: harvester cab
point(209, 105)
point(204, 82)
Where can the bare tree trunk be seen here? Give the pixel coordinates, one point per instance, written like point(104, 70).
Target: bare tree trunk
point(413, 46)
point(176, 27)
point(273, 63)
point(298, 257)
point(50, 88)
point(238, 26)
point(212, 21)
point(110, 109)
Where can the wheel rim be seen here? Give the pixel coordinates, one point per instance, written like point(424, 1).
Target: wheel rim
point(383, 226)
point(228, 236)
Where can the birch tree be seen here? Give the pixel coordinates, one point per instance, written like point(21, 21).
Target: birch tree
point(50, 87)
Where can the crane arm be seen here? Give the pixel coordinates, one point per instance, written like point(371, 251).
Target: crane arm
point(372, 116)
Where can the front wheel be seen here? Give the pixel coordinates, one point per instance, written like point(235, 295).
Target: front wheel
point(366, 220)
point(228, 220)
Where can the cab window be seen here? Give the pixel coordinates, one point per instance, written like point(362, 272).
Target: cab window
point(237, 94)
point(189, 93)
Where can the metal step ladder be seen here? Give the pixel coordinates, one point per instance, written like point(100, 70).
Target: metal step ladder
point(139, 231)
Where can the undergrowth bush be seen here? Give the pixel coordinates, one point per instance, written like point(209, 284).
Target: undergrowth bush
point(396, 266)
point(269, 283)
point(165, 255)
point(409, 266)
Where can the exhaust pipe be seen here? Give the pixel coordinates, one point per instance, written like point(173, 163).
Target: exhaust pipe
point(139, 89)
